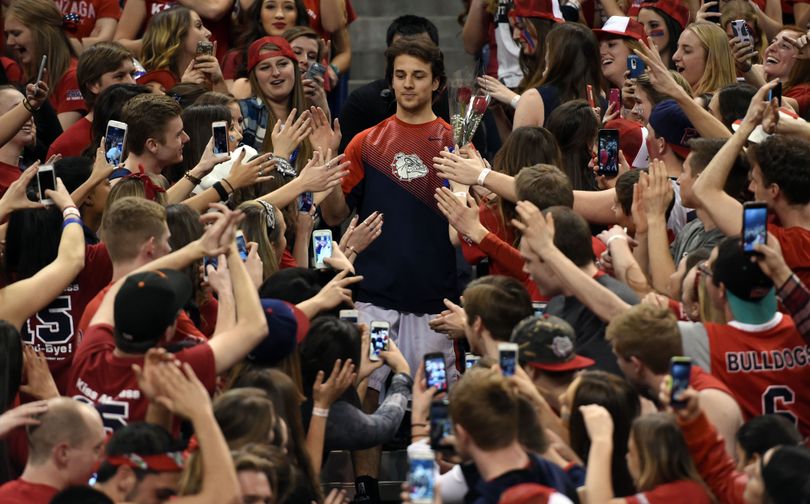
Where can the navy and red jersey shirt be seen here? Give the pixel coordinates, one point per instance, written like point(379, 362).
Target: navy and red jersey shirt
point(411, 267)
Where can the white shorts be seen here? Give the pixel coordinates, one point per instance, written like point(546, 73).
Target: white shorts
point(417, 340)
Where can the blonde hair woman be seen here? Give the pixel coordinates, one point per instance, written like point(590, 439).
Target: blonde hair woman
point(33, 29)
point(264, 224)
point(704, 58)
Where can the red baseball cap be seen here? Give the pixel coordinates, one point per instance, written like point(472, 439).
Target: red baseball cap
point(547, 9)
point(633, 141)
point(256, 54)
point(672, 8)
point(621, 26)
point(163, 77)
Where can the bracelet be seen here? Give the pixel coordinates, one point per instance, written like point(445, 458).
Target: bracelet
point(320, 412)
point(514, 102)
point(70, 221)
point(67, 212)
point(483, 176)
point(223, 194)
point(225, 181)
point(70, 207)
point(419, 425)
point(191, 178)
point(28, 106)
point(615, 237)
point(335, 69)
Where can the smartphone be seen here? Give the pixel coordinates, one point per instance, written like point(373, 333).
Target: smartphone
point(350, 316)
point(440, 426)
point(591, 99)
point(636, 66)
point(305, 202)
point(321, 246)
point(421, 475)
point(740, 29)
point(755, 226)
point(209, 261)
point(615, 97)
point(470, 360)
point(608, 153)
point(776, 92)
point(42, 64)
point(680, 370)
point(539, 308)
point(219, 130)
point(379, 339)
point(315, 70)
point(114, 141)
point(205, 47)
point(508, 358)
point(46, 179)
point(241, 245)
point(435, 371)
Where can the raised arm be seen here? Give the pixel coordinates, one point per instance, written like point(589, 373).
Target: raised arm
point(658, 194)
point(598, 482)
point(132, 18)
point(470, 171)
point(474, 33)
point(333, 15)
point(209, 9)
point(22, 299)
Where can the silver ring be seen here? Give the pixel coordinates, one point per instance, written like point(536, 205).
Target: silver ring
point(260, 173)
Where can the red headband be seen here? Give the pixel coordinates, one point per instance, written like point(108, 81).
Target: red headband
point(256, 55)
point(162, 462)
point(149, 187)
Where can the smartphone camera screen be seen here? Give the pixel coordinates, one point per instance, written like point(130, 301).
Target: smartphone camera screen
point(508, 362)
point(435, 372)
point(220, 139)
point(681, 369)
point(323, 249)
point(379, 340)
point(440, 425)
point(608, 155)
point(305, 202)
point(114, 145)
point(755, 227)
point(241, 245)
point(420, 478)
point(470, 360)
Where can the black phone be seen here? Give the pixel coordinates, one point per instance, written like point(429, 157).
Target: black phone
point(440, 425)
point(219, 130)
point(755, 226)
point(608, 153)
point(435, 371)
point(776, 92)
point(680, 371)
point(46, 179)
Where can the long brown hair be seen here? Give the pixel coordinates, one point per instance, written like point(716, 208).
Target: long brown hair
point(44, 20)
point(163, 39)
point(255, 227)
point(533, 65)
point(573, 61)
point(800, 73)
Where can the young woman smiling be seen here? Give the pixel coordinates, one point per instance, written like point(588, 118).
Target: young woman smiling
point(618, 37)
point(704, 58)
point(664, 22)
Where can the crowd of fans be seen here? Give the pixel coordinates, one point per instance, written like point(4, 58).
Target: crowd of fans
point(219, 268)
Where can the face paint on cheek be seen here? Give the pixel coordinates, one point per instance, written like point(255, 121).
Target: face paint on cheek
point(527, 38)
point(656, 33)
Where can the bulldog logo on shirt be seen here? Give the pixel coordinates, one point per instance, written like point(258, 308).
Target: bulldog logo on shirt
point(408, 167)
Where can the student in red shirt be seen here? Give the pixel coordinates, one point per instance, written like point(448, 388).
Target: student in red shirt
point(644, 339)
point(99, 67)
point(65, 443)
point(657, 458)
point(11, 151)
point(34, 28)
point(97, 21)
point(140, 312)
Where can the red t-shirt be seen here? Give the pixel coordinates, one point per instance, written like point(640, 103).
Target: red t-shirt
point(314, 12)
point(186, 330)
point(677, 491)
point(701, 380)
point(8, 174)
point(67, 97)
point(54, 329)
point(768, 370)
point(795, 243)
point(89, 11)
point(800, 93)
point(106, 380)
point(12, 69)
point(20, 491)
point(231, 63)
point(74, 140)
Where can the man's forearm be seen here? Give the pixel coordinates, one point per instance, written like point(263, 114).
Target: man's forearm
point(661, 264)
point(334, 208)
point(713, 178)
point(220, 483)
point(705, 123)
point(249, 312)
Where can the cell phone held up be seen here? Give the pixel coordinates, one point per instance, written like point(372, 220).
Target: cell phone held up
point(776, 92)
point(219, 131)
point(608, 153)
point(436, 371)
point(114, 141)
point(680, 369)
point(441, 427)
point(635, 65)
point(755, 227)
point(205, 48)
point(321, 246)
point(421, 475)
point(379, 339)
point(508, 358)
point(315, 70)
point(740, 29)
point(46, 179)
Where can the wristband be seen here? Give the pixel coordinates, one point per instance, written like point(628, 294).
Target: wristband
point(615, 237)
point(191, 178)
point(514, 102)
point(71, 220)
point(320, 412)
point(225, 181)
point(335, 69)
point(223, 194)
point(70, 207)
point(483, 176)
point(71, 212)
point(28, 106)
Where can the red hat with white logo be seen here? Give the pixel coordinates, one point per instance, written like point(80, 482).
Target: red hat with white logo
point(632, 141)
point(621, 26)
point(675, 9)
point(547, 9)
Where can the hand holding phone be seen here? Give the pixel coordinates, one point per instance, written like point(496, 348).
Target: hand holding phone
point(421, 476)
point(591, 99)
point(755, 226)
point(435, 371)
point(321, 247)
point(508, 358)
point(219, 131)
point(680, 371)
point(441, 427)
point(776, 92)
point(241, 245)
point(41, 72)
point(615, 98)
point(379, 339)
point(46, 180)
point(205, 48)
point(608, 153)
point(114, 142)
point(636, 66)
point(350, 316)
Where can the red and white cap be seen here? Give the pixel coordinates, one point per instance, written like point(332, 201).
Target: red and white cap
point(621, 26)
point(547, 9)
point(632, 141)
point(675, 9)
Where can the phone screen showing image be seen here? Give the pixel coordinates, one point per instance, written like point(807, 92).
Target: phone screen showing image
point(680, 370)
point(608, 153)
point(507, 359)
point(440, 425)
point(435, 372)
point(420, 479)
point(220, 139)
point(241, 246)
point(323, 249)
point(305, 201)
point(755, 227)
point(379, 339)
point(114, 145)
